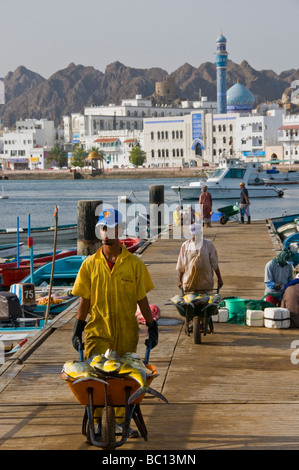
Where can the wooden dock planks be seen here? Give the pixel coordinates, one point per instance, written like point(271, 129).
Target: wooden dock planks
point(237, 390)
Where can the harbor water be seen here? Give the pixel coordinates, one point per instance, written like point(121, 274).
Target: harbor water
point(39, 198)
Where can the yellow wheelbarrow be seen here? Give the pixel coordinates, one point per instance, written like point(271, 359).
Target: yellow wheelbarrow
point(108, 393)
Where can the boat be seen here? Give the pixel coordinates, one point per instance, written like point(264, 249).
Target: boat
point(39, 234)
point(288, 229)
point(10, 250)
point(224, 182)
point(132, 243)
point(13, 274)
point(3, 195)
point(292, 243)
point(278, 228)
point(65, 272)
point(277, 222)
point(276, 177)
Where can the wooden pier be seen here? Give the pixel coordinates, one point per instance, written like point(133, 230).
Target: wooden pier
point(236, 390)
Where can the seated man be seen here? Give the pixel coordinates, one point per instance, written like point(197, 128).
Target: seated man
point(278, 272)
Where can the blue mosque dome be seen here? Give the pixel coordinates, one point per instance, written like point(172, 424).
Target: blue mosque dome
point(221, 39)
point(239, 99)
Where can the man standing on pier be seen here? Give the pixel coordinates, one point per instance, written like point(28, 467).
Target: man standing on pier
point(244, 203)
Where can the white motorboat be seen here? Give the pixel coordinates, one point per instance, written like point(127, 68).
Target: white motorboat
point(277, 177)
point(224, 182)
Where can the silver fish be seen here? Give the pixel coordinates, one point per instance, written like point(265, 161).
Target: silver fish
point(135, 368)
point(76, 370)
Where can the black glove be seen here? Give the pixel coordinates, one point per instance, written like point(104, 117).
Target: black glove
point(77, 334)
point(152, 334)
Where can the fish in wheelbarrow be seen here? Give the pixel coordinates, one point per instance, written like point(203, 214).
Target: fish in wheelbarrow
point(214, 298)
point(135, 368)
point(201, 298)
point(178, 301)
point(107, 364)
point(73, 370)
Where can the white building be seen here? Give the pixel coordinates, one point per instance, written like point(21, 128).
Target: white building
point(128, 116)
point(201, 137)
point(26, 146)
point(288, 136)
point(116, 146)
point(178, 140)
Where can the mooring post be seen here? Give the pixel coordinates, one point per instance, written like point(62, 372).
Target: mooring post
point(156, 200)
point(87, 241)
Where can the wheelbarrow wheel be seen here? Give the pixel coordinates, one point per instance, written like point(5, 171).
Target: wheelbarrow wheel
point(108, 425)
point(196, 330)
point(223, 219)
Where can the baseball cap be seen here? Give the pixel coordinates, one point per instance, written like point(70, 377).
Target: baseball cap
point(195, 229)
point(110, 217)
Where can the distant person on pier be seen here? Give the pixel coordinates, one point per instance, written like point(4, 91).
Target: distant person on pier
point(244, 203)
point(197, 262)
point(278, 273)
point(206, 200)
point(290, 300)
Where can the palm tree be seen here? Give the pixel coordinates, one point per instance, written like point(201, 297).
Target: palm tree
point(57, 156)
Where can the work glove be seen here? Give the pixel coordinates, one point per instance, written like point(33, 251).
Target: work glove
point(152, 340)
point(77, 334)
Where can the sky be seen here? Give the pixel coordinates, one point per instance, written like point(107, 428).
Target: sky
point(47, 36)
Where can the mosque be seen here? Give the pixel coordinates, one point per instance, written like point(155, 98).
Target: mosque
point(238, 98)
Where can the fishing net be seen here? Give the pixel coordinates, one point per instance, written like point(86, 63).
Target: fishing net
point(239, 317)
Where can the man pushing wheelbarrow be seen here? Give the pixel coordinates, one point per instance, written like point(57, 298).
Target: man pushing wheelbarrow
point(197, 263)
point(110, 284)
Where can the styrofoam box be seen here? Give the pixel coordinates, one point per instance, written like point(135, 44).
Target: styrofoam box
point(275, 317)
point(277, 323)
point(221, 317)
point(255, 318)
point(276, 313)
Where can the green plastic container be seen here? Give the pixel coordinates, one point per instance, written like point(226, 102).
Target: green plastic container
point(235, 306)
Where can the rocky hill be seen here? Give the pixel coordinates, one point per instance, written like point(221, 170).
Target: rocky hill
point(29, 95)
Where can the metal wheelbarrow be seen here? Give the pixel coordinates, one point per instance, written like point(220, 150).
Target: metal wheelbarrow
point(229, 212)
point(198, 318)
point(107, 393)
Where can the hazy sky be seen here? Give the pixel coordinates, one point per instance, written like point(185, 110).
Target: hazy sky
point(46, 36)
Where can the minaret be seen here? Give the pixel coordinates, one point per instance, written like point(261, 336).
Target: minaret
point(221, 62)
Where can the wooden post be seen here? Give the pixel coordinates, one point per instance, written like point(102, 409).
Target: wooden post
point(156, 200)
point(87, 241)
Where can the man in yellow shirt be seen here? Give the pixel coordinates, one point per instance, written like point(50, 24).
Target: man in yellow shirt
point(110, 284)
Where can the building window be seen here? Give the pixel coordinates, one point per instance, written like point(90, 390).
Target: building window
point(153, 154)
point(152, 135)
point(181, 134)
point(158, 135)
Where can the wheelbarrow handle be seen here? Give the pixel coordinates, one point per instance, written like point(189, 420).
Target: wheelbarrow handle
point(81, 355)
point(147, 353)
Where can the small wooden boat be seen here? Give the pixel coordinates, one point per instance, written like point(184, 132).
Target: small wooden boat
point(10, 250)
point(12, 274)
point(65, 272)
point(288, 229)
point(39, 234)
point(132, 244)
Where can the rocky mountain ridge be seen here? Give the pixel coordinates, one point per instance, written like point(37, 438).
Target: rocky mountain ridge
point(29, 95)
